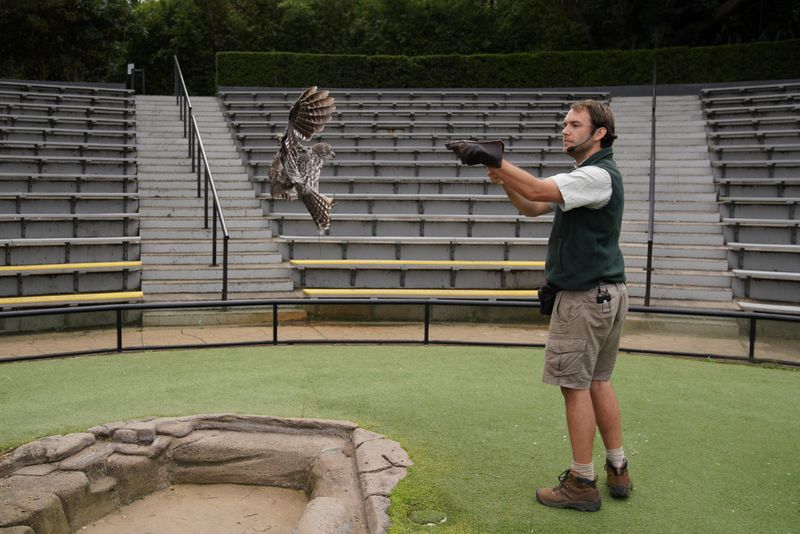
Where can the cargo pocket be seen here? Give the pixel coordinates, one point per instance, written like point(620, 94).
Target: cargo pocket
point(564, 357)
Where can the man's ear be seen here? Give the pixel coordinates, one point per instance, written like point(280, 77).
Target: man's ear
point(604, 132)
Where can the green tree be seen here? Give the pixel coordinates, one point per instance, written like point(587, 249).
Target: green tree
point(70, 40)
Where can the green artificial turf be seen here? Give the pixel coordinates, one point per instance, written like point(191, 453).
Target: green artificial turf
point(712, 447)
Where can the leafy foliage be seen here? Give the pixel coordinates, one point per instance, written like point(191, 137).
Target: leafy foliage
point(755, 61)
point(70, 40)
point(94, 39)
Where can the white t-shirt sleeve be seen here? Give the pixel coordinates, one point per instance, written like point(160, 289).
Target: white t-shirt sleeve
point(588, 186)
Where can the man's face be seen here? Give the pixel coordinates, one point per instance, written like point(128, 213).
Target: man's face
point(577, 129)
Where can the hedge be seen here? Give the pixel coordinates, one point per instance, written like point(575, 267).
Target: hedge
point(729, 63)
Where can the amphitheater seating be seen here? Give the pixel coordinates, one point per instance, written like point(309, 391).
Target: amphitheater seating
point(407, 219)
point(68, 198)
point(400, 196)
point(755, 145)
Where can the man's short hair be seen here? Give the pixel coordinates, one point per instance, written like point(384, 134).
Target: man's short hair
point(601, 116)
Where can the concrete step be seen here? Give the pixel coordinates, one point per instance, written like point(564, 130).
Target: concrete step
point(172, 246)
point(659, 262)
point(209, 286)
point(232, 295)
point(197, 212)
point(681, 277)
point(236, 272)
point(181, 153)
point(154, 160)
point(662, 250)
point(660, 227)
point(189, 234)
point(187, 202)
point(689, 293)
point(182, 143)
point(168, 223)
point(189, 260)
point(179, 187)
point(220, 175)
point(674, 238)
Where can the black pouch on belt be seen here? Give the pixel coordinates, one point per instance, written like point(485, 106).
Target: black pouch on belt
point(547, 298)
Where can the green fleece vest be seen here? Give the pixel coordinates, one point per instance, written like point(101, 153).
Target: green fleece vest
point(584, 243)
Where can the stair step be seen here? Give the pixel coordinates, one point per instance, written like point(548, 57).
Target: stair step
point(211, 286)
point(215, 295)
point(236, 272)
point(681, 277)
point(696, 264)
point(192, 223)
point(190, 260)
point(204, 245)
point(197, 212)
point(189, 202)
point(663, 291)
point(202, 234)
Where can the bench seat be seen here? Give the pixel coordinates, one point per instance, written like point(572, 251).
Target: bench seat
point(13, 133)
point(769, 307)
point(54, 88)
point(71, 299)
point(48, 268)
point(492, 294)
point(81, 147)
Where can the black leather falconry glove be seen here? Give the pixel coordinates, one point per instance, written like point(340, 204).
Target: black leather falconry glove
point(489, 153)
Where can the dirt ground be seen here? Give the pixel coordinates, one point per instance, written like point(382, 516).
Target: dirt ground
point(207, 509)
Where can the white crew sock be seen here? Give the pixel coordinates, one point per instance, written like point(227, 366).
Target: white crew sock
point(616, 457)
point(583, 470)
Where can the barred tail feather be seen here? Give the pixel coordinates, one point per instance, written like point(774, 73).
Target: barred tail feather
point(319, 206)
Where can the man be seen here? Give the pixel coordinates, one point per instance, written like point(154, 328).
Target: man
point(586, 268)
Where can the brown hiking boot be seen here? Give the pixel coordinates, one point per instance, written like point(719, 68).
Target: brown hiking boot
point(618, 480)
point(571, 492)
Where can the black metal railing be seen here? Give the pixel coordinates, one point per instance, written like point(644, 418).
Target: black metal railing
point(751, 318)
point(651, 198)
point(197, 155)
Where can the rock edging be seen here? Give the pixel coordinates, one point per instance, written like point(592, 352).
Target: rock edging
point(61, 483)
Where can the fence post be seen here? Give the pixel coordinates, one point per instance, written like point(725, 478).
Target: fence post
point(751, 353)
point(119, 330)
point(274, 324)
point(426, 336)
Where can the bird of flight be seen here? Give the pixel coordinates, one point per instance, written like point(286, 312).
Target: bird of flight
point(296, 168)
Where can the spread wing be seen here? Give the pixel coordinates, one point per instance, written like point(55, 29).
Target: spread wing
point(310, 113)
point(308, 116)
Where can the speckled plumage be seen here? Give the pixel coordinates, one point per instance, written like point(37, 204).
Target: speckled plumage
point(296, 168)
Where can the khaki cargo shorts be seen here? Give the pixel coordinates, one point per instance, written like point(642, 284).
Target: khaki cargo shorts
point(584, 336)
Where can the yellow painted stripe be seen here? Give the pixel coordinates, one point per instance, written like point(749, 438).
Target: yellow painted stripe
point(69, 266)
point(72, 298)
point(475, 263)
point(479, 293)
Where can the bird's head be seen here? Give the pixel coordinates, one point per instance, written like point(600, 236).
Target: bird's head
point(324, 151)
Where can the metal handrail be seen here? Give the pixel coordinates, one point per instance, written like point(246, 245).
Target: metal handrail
point(428, 303)
point(197, 151)
point(651, 196)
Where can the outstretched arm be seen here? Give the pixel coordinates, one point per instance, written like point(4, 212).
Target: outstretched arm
point(530, 195)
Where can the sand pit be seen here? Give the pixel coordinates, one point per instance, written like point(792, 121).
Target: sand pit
point(220, 472)
point(207, 509)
